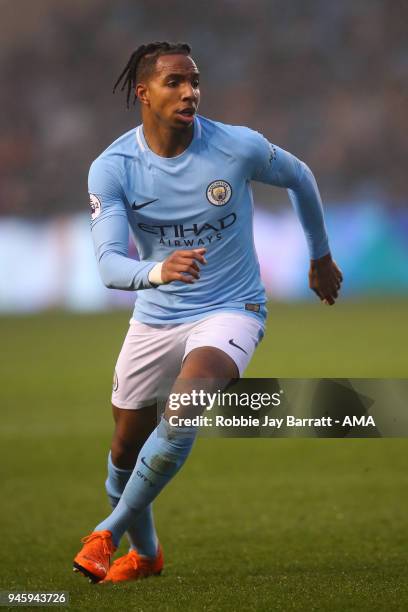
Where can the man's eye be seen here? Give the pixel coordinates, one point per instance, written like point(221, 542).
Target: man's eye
point(172, 83)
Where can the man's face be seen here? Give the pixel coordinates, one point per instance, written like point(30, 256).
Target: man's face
point(172, 92)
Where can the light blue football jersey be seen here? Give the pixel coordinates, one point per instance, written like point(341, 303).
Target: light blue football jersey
point(200, 198)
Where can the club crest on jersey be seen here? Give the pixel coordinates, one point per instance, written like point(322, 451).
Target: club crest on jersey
point(96, 206)
point(219, 193)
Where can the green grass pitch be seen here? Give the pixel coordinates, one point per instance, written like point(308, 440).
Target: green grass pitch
point(278, 524)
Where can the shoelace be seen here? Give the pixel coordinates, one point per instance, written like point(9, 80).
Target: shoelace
point(94, 536)
point(132, 559)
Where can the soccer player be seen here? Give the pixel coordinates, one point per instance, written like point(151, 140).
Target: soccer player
point(182, 183)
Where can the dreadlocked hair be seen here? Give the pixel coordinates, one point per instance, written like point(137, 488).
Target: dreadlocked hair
point(142, 61)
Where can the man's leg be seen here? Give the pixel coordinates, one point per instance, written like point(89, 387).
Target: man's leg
point(132, 428)
point(167, 447)
point(216, 350)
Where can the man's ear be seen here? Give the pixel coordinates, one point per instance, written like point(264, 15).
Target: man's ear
point(142, 92)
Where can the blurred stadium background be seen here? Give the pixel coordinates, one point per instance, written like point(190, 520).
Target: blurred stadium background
point(323, 525)
point(327, 82)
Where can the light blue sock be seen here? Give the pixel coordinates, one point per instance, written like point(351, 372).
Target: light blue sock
point(160, 458)
point(141, 533)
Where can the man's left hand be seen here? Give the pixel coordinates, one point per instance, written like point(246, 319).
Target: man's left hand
point(325, 278)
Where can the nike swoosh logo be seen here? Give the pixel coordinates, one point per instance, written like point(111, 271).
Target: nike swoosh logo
point(148, 466)
point(138, 206)
point(232, 343)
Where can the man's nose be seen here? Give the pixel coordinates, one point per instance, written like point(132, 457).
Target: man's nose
point(188, 92)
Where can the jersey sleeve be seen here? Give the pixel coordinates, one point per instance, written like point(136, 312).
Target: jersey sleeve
point(272, 165)
point(110, 231)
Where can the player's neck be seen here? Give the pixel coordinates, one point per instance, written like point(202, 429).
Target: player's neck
point(165, 141)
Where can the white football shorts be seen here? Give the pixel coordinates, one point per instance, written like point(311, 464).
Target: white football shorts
point(151, 353)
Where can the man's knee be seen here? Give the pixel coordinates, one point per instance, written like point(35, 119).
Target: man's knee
point(131, 431)
point(124, 451)
point(205, 369)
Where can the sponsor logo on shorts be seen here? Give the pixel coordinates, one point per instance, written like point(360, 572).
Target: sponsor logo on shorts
point(232, 343)
point(219, 193)
point(115, 381)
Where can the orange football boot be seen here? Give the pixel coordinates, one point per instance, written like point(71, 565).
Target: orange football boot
point(133, 566)
point(93, 560)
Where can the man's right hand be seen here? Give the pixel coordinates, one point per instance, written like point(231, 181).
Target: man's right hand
point(183, 266)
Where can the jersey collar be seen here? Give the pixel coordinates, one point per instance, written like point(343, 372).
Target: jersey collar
point(144, 147)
